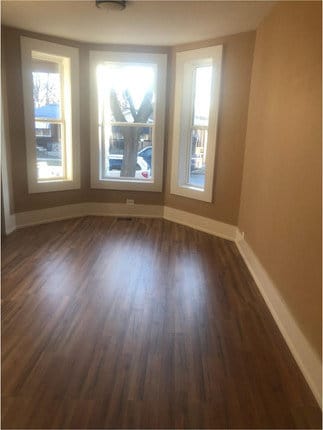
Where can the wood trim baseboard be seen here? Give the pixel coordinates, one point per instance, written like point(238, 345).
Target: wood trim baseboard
point(207, 225)
point(58, 213)
point(9, 223)
point(124, 210)
point(305, 356)
point(43, 216)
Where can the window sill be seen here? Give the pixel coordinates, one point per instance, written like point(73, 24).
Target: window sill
point(112, 184)
point(49, 186)
point(192, 192)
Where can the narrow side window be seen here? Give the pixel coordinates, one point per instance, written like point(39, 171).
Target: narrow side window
point(50, 80)
point(195, 122)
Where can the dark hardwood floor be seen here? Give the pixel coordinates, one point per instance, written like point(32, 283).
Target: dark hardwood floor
point(140, 323)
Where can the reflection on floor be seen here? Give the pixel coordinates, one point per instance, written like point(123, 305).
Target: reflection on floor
point(140, 323)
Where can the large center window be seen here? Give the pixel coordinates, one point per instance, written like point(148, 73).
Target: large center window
point(128, 116)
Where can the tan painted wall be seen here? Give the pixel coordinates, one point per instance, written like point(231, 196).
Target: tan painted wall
point(234, 98)
point(23, 201)
point(281, 193)
point(238, 51)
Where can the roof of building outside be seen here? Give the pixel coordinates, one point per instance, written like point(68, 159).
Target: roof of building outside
point(50, 111)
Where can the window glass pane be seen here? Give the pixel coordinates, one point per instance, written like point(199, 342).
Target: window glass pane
point(49, 150)
point(126, 93)
point(46, 89)
point(126, 152)
point(197, 160)
point(203, 81)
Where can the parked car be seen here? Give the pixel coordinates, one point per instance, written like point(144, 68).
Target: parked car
point(115, 164)
point(146, 154)
point(196, 163)
point(46, 170)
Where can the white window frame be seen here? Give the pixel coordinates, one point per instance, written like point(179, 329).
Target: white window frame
point(69, 59)
point(156, 182)
point(186, 63)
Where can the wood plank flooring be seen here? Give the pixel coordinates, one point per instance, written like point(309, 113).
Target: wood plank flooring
point(140, 323)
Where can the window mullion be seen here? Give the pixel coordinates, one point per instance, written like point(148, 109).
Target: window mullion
point(52, 121)
point(200, 127)
point(130, 124)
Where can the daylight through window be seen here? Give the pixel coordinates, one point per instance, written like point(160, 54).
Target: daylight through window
point(197, 91)
point(126, 96)
point(49, 118)
point(199, 126)
point(128, 92)
point(51, 107)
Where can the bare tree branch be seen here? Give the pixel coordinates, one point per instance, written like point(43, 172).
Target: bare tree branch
point(131, 105)
point(146, 108)
point(116, 109)
point(131, 134)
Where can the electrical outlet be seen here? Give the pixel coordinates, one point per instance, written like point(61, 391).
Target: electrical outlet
point(130, 202)
point(239, 235)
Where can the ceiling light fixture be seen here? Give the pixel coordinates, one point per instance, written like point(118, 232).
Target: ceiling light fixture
point(111, 4)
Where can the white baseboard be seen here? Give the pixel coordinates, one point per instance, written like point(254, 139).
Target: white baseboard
point(10, 223)
point(306, 358)
point(124, 210)
point(208, 225)
point(43, 216)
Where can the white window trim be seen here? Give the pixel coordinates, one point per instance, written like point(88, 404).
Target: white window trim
point(182, 59)
point(72, 92)
point(156, 183)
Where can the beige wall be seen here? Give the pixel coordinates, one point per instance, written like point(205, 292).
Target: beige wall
point(281, 193)
point(237, 62)
point(10, 54)
point(23, 201)
point(234, 97)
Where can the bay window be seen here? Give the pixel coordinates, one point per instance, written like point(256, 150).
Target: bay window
point(197, 89)
point(50, 84)
point(127, 130)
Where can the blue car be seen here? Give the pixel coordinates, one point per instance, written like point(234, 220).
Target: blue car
point(146, 154)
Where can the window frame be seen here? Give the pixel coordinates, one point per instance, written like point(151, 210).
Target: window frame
point(68, 58)
point(159, 61)
point(186, 64)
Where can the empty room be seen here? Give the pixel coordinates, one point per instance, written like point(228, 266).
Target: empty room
point(161, 214)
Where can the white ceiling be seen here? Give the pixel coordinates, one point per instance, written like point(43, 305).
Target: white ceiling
point(142, 22)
